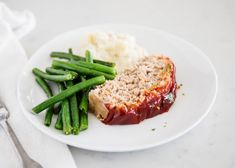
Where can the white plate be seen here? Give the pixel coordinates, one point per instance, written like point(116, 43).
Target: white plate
point(193, 69)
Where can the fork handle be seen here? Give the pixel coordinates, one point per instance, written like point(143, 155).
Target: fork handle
point(26, 160)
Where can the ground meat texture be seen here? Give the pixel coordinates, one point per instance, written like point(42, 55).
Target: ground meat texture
point(145, 90)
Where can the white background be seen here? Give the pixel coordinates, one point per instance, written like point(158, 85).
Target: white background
point(209, 24)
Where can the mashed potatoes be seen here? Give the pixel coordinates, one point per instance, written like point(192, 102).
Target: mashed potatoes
point(119, 48)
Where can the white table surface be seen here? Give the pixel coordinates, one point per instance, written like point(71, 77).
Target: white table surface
point(209, 24)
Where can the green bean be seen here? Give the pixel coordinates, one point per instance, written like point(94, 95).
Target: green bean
point(68, 92)
point(54, 71)
point(83, 121)
point(48, 116)
point(74, 110)
point(43, 84)
point(59, 123)
point(78, 58)
point(67, 128)
point(79, 69)
point(71, 51)
point(95, 66)
point(89, 57)
point(66, 117)
point(83, 107)
point(46, 88)
point(56, 78)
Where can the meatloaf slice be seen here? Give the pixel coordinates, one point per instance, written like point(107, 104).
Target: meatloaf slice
point(143, 91)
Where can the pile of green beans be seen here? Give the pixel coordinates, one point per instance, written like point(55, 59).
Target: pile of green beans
point(75, 77)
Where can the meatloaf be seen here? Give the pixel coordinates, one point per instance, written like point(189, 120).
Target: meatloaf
point(143, 91)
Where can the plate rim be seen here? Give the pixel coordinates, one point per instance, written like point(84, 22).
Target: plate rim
point(141, 147)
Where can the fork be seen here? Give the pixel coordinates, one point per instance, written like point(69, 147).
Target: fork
point(27, 162)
